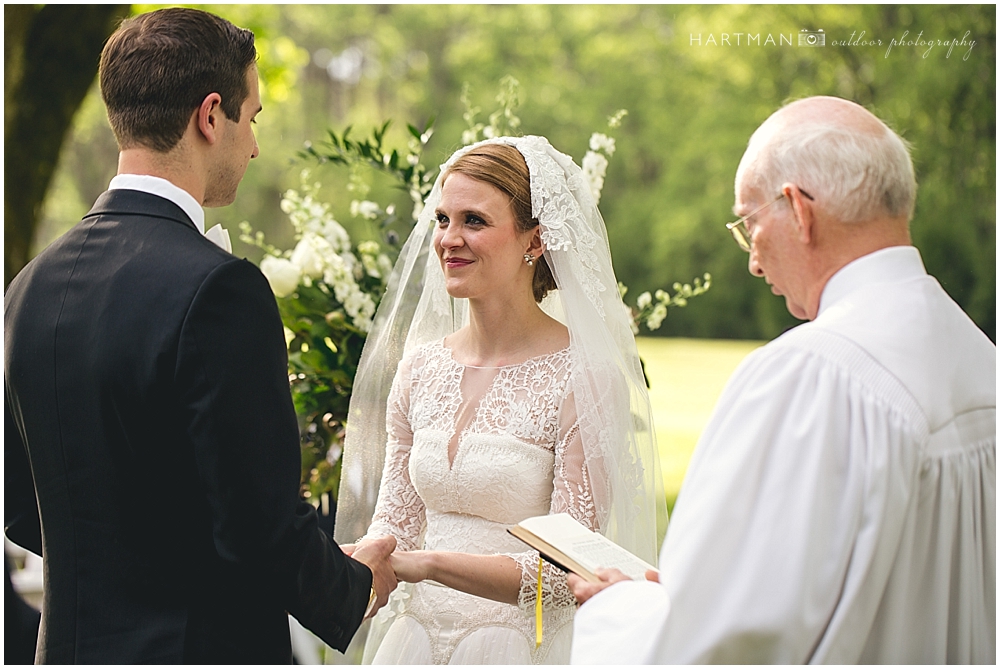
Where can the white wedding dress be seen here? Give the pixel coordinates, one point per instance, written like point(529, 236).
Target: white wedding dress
point(513, 435)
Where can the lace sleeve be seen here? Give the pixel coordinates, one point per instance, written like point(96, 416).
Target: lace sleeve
point(572, 494)
point(399, 510)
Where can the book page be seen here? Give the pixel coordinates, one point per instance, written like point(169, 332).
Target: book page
point(591, 550)
point(596, 552)
point(555, 528)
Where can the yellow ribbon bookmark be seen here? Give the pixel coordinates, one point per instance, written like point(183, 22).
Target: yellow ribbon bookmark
point(538, 607)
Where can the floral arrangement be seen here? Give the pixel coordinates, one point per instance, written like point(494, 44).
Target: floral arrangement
point(595, 161)
point(651, 312)
point(328, 289)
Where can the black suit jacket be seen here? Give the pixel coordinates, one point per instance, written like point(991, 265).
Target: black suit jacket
point(146, 395)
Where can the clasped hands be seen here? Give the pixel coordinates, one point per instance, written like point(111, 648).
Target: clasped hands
point(388, 566)
point(391, 566)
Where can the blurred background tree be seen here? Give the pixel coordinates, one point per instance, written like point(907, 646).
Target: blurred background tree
point(51, 54)
point(693, 101)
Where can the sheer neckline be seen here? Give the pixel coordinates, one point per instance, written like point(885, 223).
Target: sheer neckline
point(451, 356)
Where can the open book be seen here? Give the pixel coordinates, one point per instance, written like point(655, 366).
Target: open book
point(572, 547)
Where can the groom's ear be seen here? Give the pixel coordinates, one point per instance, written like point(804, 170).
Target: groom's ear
point(209, 117)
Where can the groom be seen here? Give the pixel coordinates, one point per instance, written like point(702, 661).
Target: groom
point(152, 450)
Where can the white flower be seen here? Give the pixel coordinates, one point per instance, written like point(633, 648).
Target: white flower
point(282, 274)
point(358, 305)
point(365, 209)
point(594, 167)
point(368, 247)
point(595, 163)
point(335, 234)
point(384, 265)
point(644, 300)
point(656, 318)
point(601, 142)
point(307, 255)
point(317, 210)
point(631, 320)
point(350, 262)
point(289, 201)
point(354, 302)
point(309, 216)
point(368, 251)
point(335, 274)
point(418, 203)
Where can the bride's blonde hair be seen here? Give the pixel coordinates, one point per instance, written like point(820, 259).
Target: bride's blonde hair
point(503, 167)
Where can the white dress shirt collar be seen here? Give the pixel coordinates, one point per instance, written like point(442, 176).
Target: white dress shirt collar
point(165, 189)
point(885, 265)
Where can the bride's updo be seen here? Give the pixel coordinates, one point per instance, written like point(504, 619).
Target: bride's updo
point(503, 167)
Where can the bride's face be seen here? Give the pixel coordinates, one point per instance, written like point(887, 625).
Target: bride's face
point(477, 240)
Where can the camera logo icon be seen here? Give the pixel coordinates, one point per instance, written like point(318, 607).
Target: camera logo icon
point(812, 38)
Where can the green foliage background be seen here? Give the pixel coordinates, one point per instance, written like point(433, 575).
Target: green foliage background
point(692, 106)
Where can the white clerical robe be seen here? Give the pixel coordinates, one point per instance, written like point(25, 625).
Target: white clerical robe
point(841, 504)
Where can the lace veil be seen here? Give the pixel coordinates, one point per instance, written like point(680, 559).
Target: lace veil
point(606, 378)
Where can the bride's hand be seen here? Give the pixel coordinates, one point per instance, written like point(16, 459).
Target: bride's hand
point(411, 566)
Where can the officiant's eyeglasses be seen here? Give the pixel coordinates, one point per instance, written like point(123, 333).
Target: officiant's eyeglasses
point(739, 229)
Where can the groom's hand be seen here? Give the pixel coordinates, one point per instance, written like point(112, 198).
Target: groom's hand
point(375, 554)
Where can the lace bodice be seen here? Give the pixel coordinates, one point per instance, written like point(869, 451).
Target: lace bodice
point(473, 450)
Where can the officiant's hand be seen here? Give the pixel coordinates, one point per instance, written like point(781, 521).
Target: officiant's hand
point(375, 555)
point(584, 590)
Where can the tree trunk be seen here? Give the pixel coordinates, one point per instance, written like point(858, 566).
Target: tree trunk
point(51, 56)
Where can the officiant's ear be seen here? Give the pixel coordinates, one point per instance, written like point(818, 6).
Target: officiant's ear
point(802, 209)
point(210, 117)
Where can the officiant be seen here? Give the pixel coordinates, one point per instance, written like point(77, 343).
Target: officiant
point(840, 506)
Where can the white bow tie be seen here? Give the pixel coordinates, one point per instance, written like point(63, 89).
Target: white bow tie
point(219, 236)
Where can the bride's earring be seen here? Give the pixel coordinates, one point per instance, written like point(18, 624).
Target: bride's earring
point(530, 259)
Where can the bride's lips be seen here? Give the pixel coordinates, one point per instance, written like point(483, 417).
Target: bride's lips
point(455, 263)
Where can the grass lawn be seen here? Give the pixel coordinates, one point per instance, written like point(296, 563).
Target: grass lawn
point(686, 377)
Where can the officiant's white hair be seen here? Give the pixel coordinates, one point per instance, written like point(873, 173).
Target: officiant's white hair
point(857, 171)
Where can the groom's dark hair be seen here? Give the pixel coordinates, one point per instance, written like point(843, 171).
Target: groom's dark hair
point(157, 68)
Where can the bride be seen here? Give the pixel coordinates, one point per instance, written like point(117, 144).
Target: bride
point(500, 381)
